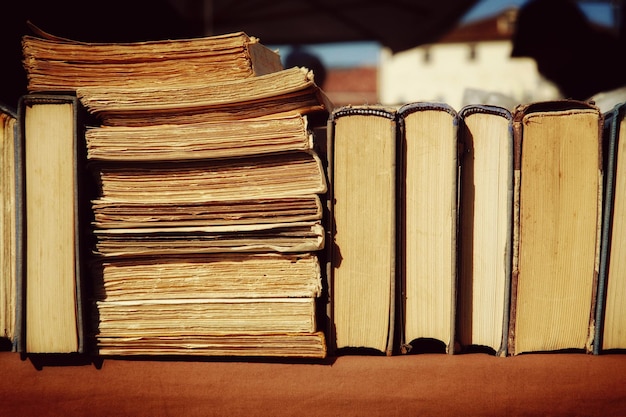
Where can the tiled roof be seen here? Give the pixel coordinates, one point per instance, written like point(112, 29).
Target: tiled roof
point(356, 85)
point(497, 27)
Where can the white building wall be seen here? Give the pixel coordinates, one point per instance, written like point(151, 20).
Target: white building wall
point(453, 74)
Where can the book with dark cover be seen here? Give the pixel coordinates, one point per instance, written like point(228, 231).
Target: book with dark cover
point(610, 324)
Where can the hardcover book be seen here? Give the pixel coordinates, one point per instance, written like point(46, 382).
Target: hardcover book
point(363, 170)
point(485, 227)
point(610, 323)
point(8, 229)
point(428, 218)
point(50, 155)
point(558, 180)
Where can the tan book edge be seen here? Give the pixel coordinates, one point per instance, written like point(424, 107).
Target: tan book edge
point(206, 316)
point(281, 327)
point(558, 200)
point(58, 64)
point(362, 152)
point(285, 238)
point(112, 214)
point(283, 175)
point(222, 275)
point(485, 228)
point(287, 92)
point(9, 293)
point(429, 225)
point(228, 139)
point(49, 135)
point(290, 345)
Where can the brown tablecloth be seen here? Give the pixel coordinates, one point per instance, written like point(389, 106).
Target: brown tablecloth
point(563, 384)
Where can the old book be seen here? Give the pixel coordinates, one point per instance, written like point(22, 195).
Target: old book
point(228, 139)
point(282, 175)
point(8, 229)
point(428, 225)
point(558, 189)
point(278, 237)
point(207, 305)
point(363, 152)
point(217, 275)
point(206, 316)
point(485, 227)
point(50, 156)
point(286, 92)
point(610, 331)
point(115, 214)
point(286, 345)
point(58, 64)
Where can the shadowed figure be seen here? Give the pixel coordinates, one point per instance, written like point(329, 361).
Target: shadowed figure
point(579, 57)
point(299, 57)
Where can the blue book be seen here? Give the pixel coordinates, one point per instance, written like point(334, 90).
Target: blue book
point(610, 331)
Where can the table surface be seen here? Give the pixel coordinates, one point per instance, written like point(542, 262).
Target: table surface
point(476, 384)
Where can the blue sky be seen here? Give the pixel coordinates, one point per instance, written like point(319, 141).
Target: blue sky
point(367, 53)
point(599, 11)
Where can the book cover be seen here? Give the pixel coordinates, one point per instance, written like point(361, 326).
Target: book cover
point(610, 308)
point(558, 194)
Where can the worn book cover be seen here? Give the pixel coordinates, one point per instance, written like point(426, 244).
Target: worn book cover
point(610, 309)
point(558, 194)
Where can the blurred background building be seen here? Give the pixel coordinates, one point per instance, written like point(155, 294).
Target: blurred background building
point(472, 64)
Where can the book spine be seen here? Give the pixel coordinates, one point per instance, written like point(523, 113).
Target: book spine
point(610, 136)
point(20, 209)
point(517, 162)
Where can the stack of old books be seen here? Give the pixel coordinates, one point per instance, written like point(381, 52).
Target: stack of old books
point(209, 214)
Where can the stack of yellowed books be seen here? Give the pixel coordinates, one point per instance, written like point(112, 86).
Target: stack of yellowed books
point(209, 218)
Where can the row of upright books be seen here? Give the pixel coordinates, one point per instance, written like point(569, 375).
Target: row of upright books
point(193, 197)
point(483, 229)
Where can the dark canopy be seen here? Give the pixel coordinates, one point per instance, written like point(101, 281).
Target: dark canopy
point(397, 24)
